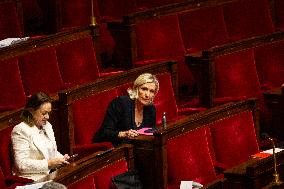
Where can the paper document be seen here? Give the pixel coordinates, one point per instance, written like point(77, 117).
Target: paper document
point(190, 185)
point(270, 151)
point(9, 41)
point(33, 186)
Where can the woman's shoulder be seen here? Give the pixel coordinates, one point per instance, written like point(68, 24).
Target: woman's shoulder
point(122, 100)
point(22, 127)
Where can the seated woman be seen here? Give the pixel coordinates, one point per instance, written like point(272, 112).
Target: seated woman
point(126, 114)
point(33, 141)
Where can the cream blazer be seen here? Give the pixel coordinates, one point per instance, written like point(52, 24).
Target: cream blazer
point(30, 152)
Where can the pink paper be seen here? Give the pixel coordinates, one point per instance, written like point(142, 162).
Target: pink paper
point(142, 131)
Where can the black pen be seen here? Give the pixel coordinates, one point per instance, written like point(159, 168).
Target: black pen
point(104, 152)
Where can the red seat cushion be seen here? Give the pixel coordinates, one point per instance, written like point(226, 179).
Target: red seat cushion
point(12, 94)
point(88, 115)
point(40, 72)
point(234, 139)
point(189, 158)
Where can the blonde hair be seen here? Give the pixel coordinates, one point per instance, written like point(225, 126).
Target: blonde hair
point(141, 80)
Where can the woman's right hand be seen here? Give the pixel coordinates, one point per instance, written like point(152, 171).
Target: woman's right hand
point(57, 162)
point(128, 134)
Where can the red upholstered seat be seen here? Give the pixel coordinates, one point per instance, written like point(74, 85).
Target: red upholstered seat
point(168, 44)
point(203, 28)
point(236, 76)
point(12, 94)
point(40, 72)
point(102, 177)
point(6, 160)
point(234, 139)
point(189, 158)
point(269, 64)
point(9, 21)
point(87, 183)
point(88, 115)
point(248, 18)
point(77, 61)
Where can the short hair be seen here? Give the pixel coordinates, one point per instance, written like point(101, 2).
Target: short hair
point(33, 103)
point(141, 80)
point(53, 185)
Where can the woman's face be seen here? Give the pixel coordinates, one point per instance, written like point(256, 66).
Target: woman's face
point(146, 93)
point(41, 115)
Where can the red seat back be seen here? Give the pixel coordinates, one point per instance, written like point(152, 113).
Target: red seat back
point(12, 94)
point(165, 100)
point(236, 76)
point(115, 9)
point(77, 61)
point(5, 152)
point(279, 13)
point(40, 72)
point(168, 44)
point(203, 28)
point(248, 18)
point(102, 177)
point(234, 139)
point(189, 158)
point(269, 64)
point(76, 13)
point(88, 115)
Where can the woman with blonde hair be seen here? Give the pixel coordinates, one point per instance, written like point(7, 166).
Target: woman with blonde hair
point(126, 114)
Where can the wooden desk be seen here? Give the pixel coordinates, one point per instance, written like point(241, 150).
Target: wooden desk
point(255, 173)
point(88, 165)
point(275, 103)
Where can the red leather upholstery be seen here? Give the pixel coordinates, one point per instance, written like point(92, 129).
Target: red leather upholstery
point(9, 22)
point(248, 18)
point(40, 72)
point(12, 94)
point(203, 28)
point(189, 158)
point(102, 178)
point(77, 61)
point(234, 139)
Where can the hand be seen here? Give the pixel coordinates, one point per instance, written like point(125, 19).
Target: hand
point(58, 162)
point(128, 134)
